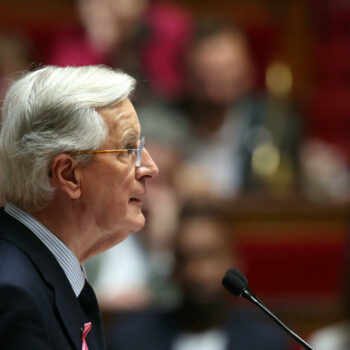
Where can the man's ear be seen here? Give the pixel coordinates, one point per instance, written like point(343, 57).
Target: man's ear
point(65, 175)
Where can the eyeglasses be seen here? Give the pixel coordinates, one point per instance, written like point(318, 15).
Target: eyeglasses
point(138, 151)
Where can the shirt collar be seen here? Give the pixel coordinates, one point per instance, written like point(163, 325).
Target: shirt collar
point(73, 270)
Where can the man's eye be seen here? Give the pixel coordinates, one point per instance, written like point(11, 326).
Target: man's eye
point(131, 148)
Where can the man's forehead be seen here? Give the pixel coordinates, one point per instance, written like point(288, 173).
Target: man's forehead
point(123, 109)
point(122, 118)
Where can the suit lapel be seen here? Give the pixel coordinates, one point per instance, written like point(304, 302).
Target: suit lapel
point(67, 304)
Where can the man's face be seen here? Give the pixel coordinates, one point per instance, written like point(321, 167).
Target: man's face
point(112, 186)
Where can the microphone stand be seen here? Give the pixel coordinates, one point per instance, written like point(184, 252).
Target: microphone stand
point(248, 294)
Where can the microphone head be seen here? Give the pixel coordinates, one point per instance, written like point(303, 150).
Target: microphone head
point(235, 282)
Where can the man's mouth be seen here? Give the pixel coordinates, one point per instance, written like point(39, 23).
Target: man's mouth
point(135, 200)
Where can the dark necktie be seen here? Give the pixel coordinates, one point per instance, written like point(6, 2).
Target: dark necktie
point(88, 302)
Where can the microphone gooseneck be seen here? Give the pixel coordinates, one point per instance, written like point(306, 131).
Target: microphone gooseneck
point(237, 284)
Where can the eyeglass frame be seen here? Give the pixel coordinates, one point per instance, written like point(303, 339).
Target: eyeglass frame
point(139, 151)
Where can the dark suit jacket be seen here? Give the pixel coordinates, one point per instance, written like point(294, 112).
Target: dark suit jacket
point(150, 330)
point(38, 308)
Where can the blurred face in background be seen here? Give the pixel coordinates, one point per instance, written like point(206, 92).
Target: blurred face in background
point(203, 255)
point(109, 22)
point(220, 69)
point(128, 12)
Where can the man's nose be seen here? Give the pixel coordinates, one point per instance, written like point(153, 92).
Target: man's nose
point(148, 168)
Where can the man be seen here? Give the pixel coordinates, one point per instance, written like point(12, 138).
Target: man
point(204, 318)
point(73, 174)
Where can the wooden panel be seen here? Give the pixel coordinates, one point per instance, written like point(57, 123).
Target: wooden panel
point(294, 256)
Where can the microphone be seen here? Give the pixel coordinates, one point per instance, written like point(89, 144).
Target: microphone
point(236, 283)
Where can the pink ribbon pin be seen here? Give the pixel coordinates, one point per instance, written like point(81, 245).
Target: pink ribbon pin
point(87, 327)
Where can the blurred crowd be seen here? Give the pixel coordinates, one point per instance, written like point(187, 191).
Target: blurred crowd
point(215, 137)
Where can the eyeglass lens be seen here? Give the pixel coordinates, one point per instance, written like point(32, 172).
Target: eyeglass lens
point(139, 152)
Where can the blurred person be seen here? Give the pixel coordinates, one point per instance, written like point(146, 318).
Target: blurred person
point(146, 39)
point(203, 318)
point(16, 54)
point(333, 337)
point(325, 171)
point(103, 26)
point(336, 336)
point(74, 174)
point(120, 275)
point(224, 121)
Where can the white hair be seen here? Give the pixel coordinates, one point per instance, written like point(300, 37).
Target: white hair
point(51, 111)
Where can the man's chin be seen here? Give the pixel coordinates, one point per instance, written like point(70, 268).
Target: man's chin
point(138, 222)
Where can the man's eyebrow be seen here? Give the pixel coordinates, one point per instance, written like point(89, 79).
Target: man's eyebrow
point(131, 138)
